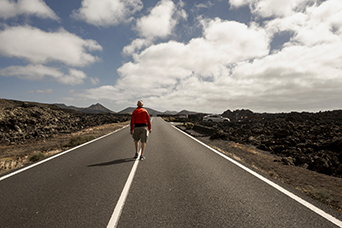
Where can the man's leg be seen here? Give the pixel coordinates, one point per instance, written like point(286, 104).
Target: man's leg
point(143, 145)
point(136, 143)
point(143, 141)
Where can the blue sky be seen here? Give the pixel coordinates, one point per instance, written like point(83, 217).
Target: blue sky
point(206, 56)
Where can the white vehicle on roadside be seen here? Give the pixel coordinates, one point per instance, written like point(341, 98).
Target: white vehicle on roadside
point(215, 118)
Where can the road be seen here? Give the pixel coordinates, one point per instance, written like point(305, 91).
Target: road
point(181, 183)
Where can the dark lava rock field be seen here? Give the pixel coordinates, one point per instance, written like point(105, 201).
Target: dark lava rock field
point(22, 121)
point(309, 140)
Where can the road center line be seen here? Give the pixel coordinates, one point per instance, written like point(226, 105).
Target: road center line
point(274, 185)
point(113, 222)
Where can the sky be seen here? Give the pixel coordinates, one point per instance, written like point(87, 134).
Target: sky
point(205, 56)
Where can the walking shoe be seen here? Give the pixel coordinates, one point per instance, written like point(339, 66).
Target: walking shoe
point(136, 155)
point(142, 158)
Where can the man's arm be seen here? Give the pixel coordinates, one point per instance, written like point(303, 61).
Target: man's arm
point(132, 122)
point(148, 122)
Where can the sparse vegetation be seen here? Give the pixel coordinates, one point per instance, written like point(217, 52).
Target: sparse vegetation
point(78, 140)
point(169, 119)
point(189, 125)
point(323, 194)
point(272, 174)
point(37, 156)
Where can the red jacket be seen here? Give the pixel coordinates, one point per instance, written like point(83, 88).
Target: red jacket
point(140, 116)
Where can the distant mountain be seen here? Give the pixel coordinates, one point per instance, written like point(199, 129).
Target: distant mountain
point(186, 112)
point(153, 112)
point(130, 110)
point(97, 108)
point(9, 104)
point(93, 109)
point(170, 112)
point(63, 106)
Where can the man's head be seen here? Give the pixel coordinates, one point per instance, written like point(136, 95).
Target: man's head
point(140, 103)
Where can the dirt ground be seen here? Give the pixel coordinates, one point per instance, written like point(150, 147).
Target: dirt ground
point(16, 156)
point(327, 189)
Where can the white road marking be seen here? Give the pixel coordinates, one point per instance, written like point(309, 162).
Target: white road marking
point(113, 222)
point(57, 155)
point(281, 189)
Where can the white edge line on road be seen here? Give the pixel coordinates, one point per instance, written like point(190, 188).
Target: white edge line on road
point(113, 222)
point(276, 186)
point(57, 155)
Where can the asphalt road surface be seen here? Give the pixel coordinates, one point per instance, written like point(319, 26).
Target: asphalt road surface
point(182, 183)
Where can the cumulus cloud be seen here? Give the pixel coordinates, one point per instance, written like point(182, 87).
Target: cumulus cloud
point(38, 72)
point(135, 46)
point(273, 8)
point(40, 47)
point(31, 72)
point(231, 64)
point(160, 23)
point(270, 8)
point(107, 12)
point(73, 78)
point(239, 3)
point(305, 73)
point(317, 25)
point(10, 8)
point(168, 69)
point(294, 78)
point(161, 20)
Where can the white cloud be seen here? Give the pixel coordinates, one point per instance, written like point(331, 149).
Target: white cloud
point(160, 23)
point(74, 77)
point(269, 8)
point(10, 8)
point(203, 5)
point(164, 69)
point(44, 91)
point(273, 8)
point(38, 72)
point(239, 3)
point(161, 20)
point(31, 72)
point(136, 45)
point(317, 25)
point(297, 78)
point(306, 73)
point(230, 66)
point(107, 12)
point(94, 81)
point(39, 47)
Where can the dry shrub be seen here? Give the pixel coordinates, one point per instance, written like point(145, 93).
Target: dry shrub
point(78, 140)
point(37, 156)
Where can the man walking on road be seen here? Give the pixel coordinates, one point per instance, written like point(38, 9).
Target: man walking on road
point(140, 128)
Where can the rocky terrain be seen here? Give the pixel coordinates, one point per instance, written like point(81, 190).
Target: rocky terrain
point(309, 140)
point(303, 150)
point(27, 121)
